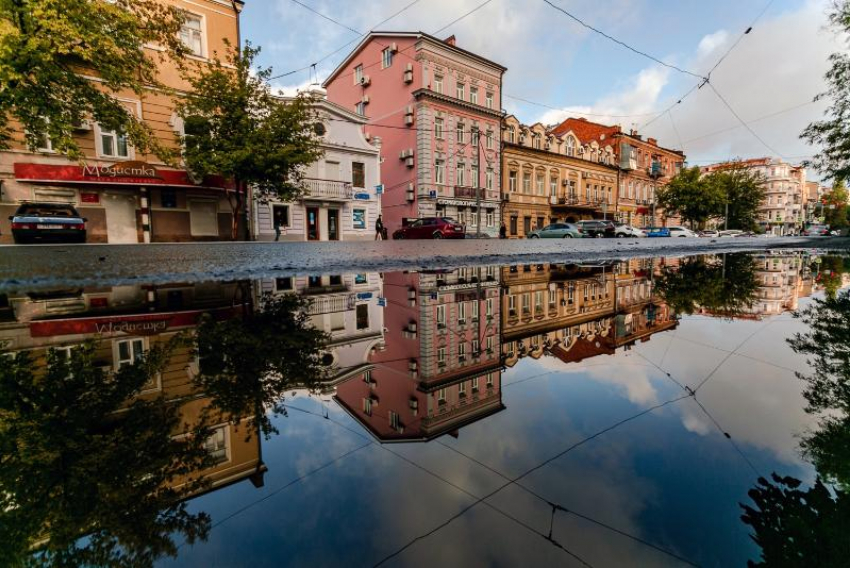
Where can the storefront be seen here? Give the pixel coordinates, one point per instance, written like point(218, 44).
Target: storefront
point(125, 202)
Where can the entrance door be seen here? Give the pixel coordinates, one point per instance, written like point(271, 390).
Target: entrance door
point(333, 224)
point(312, 223)
point(120, 209)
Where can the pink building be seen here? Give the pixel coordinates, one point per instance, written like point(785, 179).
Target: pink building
point(437, 110)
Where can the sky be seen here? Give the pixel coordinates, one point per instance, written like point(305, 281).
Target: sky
point(563, 69)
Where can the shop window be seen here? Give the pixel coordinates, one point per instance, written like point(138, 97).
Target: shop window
point(283, 284)
point(359, 218)
point(168, 198)
point(362, 313)
point(280, 215)
point(203, 218)
point(359, 279)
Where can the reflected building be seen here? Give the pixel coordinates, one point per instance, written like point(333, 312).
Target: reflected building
point(346, 307)
point(441, 368)
point(125, 322)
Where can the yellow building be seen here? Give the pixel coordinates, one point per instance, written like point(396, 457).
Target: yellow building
point(128, 196)
point(549, 178)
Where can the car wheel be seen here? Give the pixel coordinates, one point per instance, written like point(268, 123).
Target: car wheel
point(398, 237)
point(621, 235)
point(568, 236)
point(598, 235)
point(437, 235)
point(533, 236)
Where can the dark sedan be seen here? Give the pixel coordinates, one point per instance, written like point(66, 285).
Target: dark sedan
point(431, 228)
point(48, 222)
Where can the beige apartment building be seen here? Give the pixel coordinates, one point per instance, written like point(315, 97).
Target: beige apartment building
point(128, 196)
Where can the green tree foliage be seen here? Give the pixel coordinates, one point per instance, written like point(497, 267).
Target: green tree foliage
point(721, 285)
point(86, 485)
point(247, 364)
point(691, 196)
point(832, 133)
point(236, 128)
point(47, 45)
point(796, 527)
point(744, 190)
point(835, 206)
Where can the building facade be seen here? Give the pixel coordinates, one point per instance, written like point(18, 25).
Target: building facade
point(342, 200)
point(783, 210)
point(127, 196)
point(549, 178)
point(644, 167)
point(436, 108)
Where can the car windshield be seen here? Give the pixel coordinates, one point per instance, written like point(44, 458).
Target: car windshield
point(46, 210)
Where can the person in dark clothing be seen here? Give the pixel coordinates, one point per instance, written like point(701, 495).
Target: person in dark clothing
point(379, 229)
point(278, 222)
point(503, 232)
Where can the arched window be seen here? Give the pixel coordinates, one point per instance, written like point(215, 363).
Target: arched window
point(571, 146)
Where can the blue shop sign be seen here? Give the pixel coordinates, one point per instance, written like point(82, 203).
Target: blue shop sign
point(379, 189)
point(361, 196)
point(364, 296)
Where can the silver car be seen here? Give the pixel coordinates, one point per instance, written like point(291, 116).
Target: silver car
point(556, 231)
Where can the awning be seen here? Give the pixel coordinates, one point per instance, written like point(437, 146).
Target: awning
point(119, 173)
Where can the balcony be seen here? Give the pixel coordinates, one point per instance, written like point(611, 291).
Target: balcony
point(466, 192)
point(328, 189)
point(576, 201)
point(655, 170)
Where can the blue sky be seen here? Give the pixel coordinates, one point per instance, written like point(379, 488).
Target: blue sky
point(555, 62)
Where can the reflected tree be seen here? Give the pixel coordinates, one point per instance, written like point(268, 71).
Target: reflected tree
point(247, 364)
point(721, 285)
point(88, 478)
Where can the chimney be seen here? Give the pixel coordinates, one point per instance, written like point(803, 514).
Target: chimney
point(652, 141)
point(451, 40)
point(632, 132)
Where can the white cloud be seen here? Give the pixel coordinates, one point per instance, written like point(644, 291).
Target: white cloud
point(711, 42)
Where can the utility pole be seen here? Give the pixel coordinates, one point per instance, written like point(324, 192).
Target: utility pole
point(478, 188)
point(726, 217)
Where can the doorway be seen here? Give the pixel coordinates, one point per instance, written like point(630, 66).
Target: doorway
point(120, 209)
point(333, 224)
point(312, 223)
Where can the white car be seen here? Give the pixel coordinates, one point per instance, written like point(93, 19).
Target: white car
point(621, 231)
point(681, 232)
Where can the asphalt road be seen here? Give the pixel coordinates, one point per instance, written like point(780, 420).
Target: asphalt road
point(50, 266)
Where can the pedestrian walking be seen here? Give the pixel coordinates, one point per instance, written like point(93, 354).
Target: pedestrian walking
point(503, 231)
point(379, 229)
point(278, 223)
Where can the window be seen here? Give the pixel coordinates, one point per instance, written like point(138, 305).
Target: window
point(489, 307)
point(360, 279)
point(360, 108)
point(129, 351)
point(474, 140)
point(460, 173)
point(191, 34)
point(367, 406)
point(358, 74)
point(526, 224)
point(358, 174)
point(513, 226)
point(475, 310)
point(441, 316)
point(362, 313)
point(438, 83)
point(526, 182)
point(490, 218)
point(168, 198)
point(441, 362)
point(512, 136)
point(358, 217)
point(438, 128)
point(460, 132)
point(280, 215)
point(394, 421)
point(488, 140)
point(114, 144)
point(571, 146)
point(538, 301)
point(439, 171)
point(473, 95)
point(535, 141)
point(386, 58)
point(461, 352)
point(476, 348)
point(489, 380)
point(461, 388)
point(283, 284)
point(488, 342)
point(475, 384)
point(553, 186)
point(441, 393)
point(488, 178)
point(488, 100)
point(540, 184)
point(461, 312)
point(460, 91)
point(512, 181)
point(216, 445)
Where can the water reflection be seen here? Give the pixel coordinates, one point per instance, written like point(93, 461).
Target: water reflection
point(130, 413)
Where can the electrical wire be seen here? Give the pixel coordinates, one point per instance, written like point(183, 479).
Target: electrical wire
point(741, 120)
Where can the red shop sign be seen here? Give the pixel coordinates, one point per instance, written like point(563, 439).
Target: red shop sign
point(143, 324)
point(133, 172)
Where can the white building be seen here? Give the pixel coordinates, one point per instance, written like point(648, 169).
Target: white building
point(341, 202)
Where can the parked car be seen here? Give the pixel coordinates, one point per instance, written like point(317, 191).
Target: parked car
point(657, 232)
point(628, 231)
point(431, 228)
point(730, 233)
point(556, 231)
point(676, 231)
point(816, 231)
point(709, 233)
point(596, 228)
point(48, 222)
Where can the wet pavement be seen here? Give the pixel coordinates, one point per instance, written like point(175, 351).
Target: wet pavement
point(583, 413)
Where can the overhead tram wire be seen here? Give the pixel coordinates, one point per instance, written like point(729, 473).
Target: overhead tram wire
point(741, 120)
point(624, 44)
point(759, 119)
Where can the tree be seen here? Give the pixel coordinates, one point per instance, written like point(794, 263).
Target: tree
point(723, 286)
point(796, 527)
point(236, 128)
point(248, 363)
point(87, 485)
point(835, 206)
point(743, 190)
point(46, 46)
point(833, 132)
point(689, 195)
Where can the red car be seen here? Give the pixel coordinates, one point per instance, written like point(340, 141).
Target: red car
point(431, 228)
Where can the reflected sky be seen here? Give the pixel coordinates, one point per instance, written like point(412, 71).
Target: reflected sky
point(495, 416)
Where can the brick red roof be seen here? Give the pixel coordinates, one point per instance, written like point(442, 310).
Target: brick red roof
point(585, 130)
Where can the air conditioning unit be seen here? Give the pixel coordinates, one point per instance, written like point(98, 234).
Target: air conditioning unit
point(411, 327)
point(413, 366)
point(410, 196)
point(408, 116)
point(365, 81)
point(506, 197)
point(411, 293)
point(393, 47)
point(408, 73)
point(409, 162)
point(414, 404)
point(403, 154)
point(365, 99)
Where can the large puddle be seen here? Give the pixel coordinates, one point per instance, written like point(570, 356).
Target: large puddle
point(626, 413)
